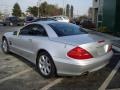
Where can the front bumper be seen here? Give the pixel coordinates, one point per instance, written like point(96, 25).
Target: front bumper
point(77, 67)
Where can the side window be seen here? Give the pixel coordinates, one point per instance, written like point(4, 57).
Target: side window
point(33, 30)
point(40, 31)
point(25, 30)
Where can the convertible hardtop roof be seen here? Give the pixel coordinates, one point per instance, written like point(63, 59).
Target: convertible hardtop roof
point(47, 22)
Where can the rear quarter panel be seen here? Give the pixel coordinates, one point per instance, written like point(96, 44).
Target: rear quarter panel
point(55, 49)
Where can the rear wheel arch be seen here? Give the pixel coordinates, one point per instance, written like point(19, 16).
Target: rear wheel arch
point(41, 51)
point(45, 51)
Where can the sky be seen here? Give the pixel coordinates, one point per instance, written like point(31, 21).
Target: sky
point(80, 6)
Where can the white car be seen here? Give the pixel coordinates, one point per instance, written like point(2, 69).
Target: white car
point(61, 18)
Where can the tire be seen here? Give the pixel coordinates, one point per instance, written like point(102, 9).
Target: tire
point(4, 25)
point(5, 46)
point(45, 65)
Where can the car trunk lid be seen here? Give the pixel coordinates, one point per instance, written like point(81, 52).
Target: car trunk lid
point(96, 45)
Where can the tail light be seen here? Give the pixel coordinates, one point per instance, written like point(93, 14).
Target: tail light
point(79, 53)
point(109, 48)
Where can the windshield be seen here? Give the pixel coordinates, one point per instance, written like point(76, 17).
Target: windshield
point(66, 29)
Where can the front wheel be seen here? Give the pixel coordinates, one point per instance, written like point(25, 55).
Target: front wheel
point(45, 65)
point(5, 47)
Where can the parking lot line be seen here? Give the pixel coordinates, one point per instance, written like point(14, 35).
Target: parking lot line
point(114, 89)
point(52, 84)
point(116, 48)
point(117, 54)
point(109, 78)
point(15, 75)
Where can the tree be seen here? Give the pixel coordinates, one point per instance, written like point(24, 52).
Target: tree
point(45, 9)
point(60, 11)
point(33, 10)
point(67, 10)
point(23, 14)
point(71, 11)
point(16, 10)
point(0, 15)
point(51, 10)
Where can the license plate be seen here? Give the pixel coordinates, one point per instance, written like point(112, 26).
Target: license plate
point(100, 50)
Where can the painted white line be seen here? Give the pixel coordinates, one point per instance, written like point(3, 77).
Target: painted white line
point(114, 89)
point(52, 84)
point(109, 78)
point(116, 48)
point(117, 54)
point(14, 75)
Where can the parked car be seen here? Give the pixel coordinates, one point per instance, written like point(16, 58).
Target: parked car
point(59, 48)
point(1, 22)
point(61, 18)
point(73, 21)
point(88, 24)
point(28, 20)
point(12, 21)
point(43, 19)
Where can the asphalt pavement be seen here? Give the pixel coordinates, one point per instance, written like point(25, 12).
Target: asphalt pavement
point(16, 73)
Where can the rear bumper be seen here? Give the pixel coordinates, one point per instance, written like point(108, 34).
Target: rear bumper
point(77, 67)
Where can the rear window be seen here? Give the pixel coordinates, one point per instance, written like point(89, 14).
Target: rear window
point(66, 29)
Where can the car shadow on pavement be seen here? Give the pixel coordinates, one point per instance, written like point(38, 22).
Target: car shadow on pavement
point(92, 80)
point(30, 64)
point(114, 60)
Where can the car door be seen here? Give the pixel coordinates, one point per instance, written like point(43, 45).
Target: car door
point(24, 42)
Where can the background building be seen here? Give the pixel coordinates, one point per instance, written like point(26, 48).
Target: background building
point(90, 13)
point(106, 13)
point(111, 15)
point(95, 10)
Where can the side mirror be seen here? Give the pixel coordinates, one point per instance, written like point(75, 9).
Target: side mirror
point(15, 33)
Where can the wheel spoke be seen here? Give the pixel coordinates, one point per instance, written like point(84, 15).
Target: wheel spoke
point(42, 70)
point(48, 69)
point(48, 64)
point(41, 61)
point(43, 58)
point(46, 72)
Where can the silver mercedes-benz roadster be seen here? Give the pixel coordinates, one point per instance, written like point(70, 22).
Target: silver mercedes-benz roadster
point(59, 48)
